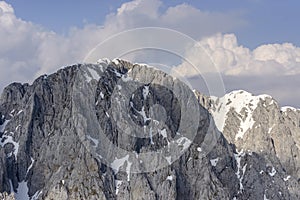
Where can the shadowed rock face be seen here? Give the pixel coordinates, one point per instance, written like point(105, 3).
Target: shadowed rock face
point(115, 130)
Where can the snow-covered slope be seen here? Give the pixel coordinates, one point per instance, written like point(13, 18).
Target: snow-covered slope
point(241, 102)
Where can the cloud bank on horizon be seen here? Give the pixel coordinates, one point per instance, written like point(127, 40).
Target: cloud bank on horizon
point(235, 60)
point(28, 50)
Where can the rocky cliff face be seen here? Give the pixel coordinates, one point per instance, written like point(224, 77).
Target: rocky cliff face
point(259, 128)
point(115, 130)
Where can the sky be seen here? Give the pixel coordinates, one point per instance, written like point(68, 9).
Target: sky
point(253, 43)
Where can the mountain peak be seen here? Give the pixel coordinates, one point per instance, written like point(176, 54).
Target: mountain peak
point(117, 130)
point(241, 102)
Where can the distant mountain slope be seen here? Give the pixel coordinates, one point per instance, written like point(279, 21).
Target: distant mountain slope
point(258, 124)
point(59, 138)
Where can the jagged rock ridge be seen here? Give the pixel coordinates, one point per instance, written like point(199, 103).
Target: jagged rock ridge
point(54, 133)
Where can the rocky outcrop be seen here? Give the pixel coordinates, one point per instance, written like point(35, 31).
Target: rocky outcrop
point(256, 125)
point(116, 130)
point(5, 196)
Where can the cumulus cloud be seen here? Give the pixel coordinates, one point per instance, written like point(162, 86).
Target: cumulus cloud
point(230, 58)
point(183, 17)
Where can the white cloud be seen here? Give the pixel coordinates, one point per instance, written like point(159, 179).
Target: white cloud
point(6, 8)
point(183, 17)
point(233, 59)
point(140, 7)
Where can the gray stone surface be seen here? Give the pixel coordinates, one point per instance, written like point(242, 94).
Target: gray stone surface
point(270, 144)
point(59, 136)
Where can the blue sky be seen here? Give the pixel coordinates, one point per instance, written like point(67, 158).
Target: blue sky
point(267, 21)
point(59, 16)
point(253, 43)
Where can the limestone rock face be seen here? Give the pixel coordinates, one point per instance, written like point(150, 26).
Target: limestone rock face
point(116, 130)
point(266, 137)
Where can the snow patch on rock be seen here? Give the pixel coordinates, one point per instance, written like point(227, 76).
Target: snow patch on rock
point(170, 178)
point(214, 162)
point(240, 101)
point(22, 191)
point(241, 170)
point(288, 108)
point(117, 163)
point(118, 184)
point(273, 172)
